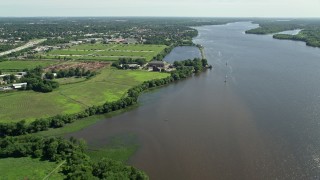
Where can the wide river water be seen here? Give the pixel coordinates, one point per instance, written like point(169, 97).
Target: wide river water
point(262, 123)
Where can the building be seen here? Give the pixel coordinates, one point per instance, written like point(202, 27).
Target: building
point(19, 85)
point(158, 64)
point(22, 73)
point(6, 88)
point(4, 75)
point(18, 76)
point(76, 42)
point(134, 66)
point(43, 48)
point(1, 78)
point(118, 40)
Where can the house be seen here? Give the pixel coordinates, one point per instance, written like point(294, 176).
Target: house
point(158, 64)
point(19, 85)
point(22, 73)
point(1, 78)
point(118, 40)
point(4, 75)
point(134, 66)
point(18, 76)
point(76, 42)
point(130, 66)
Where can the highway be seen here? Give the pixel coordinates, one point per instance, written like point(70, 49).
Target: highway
point(29, 44)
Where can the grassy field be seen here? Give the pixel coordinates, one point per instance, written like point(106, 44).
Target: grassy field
point(70, 80)
point(24, 64)
point(110, 85)
point(27, 168)
point(107, 52)
point(82, 123)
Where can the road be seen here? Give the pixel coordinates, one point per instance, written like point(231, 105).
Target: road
point(28, 45)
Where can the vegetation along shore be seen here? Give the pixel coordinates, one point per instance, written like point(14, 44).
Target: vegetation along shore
point(310, 32)
point(64, 84)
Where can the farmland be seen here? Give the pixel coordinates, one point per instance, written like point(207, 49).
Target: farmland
point(105, 52)
point(109, 85)
point(24, 64)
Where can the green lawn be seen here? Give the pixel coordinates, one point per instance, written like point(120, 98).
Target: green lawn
point(24, 64)
point(110, 85)
point(27, 168)
point(107, 52)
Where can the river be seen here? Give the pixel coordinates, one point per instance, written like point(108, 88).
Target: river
point(262, 123)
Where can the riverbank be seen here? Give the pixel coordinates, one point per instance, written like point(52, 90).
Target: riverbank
point(108, 85)
point(256, 125)
point(310, 33)
point(120, 148)
point(184, 69)
point(201, 48)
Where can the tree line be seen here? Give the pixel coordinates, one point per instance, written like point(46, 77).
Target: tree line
point(71, 72)
point(312, 38)
point(310, 30)
point(77, 164)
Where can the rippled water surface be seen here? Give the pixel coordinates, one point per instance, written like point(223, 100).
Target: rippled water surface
point(263, 123)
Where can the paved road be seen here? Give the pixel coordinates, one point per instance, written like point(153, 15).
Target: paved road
point(29, 44)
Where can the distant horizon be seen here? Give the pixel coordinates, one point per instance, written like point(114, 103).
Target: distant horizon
point(240, 17)
point(163, 8)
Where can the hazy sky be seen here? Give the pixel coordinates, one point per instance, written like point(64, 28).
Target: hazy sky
point(208, 8)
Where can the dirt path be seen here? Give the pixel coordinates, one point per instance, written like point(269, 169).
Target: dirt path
point(54, 170)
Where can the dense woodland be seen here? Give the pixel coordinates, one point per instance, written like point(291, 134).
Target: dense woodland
point(310, 30)
point(76, 164)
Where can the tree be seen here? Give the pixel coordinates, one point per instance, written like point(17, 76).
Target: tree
point(49, 75)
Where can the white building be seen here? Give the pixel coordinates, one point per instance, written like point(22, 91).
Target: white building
point(19, 85)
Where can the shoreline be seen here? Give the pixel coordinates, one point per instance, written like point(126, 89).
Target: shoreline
point(59, 121)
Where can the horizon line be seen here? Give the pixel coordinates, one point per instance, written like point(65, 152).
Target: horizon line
point(240, 17)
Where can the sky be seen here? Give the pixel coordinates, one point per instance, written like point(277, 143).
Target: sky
point(167, 8)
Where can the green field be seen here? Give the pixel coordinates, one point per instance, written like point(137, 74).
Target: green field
point(69, 80)
point(110, 85)
point(27, 168)
point(24, 64)
point(107, 52)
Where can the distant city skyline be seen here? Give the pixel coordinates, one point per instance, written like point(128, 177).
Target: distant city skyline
point(179, 8)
